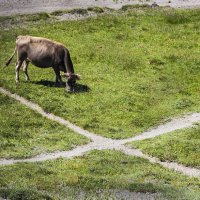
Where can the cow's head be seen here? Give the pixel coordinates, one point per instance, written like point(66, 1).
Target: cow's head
point(71, 80)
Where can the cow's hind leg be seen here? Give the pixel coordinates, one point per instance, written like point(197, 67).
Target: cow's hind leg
point(18, 65)
point(25, 67)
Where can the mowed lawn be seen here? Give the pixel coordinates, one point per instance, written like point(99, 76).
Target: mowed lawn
point(138, 68)
point(92, 176)
point(24, 133)
point(182, 146)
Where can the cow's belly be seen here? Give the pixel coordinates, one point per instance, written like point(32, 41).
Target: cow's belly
point(42, 56)
point(43, 62)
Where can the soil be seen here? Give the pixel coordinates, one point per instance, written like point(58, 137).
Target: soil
point(11, 7)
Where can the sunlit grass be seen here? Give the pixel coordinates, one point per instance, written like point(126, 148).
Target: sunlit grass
point(182, 146)
point(138, 69)
point(25, 133)
point(96, 171)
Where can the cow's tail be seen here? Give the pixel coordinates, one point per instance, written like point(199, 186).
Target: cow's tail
point(10, 59)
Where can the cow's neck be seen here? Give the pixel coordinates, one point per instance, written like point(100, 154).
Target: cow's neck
point(69, 64)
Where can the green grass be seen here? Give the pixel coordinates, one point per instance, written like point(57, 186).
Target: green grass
point(182, 146)
point(25, 133)
point(138, 68)
point(97, 170)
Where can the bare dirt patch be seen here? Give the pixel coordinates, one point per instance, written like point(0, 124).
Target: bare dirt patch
point(8, 7)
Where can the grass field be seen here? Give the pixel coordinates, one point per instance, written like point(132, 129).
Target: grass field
point(96, 171)
point(182, 146)
point(138, 67)
point(25, 133)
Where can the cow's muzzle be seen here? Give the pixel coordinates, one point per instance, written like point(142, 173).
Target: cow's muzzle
point(71, 81)
point(70, 85)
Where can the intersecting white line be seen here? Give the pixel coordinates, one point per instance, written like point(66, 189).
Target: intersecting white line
point(100, 143)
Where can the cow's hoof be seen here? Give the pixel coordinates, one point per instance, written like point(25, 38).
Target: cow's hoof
point(70, 91)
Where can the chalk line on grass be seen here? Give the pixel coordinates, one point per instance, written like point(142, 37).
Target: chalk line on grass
point(100, 143)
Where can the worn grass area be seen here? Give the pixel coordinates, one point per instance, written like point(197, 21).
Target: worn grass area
point(25, 133)
point(182, 146)
point(96, 171)
point(138, 67)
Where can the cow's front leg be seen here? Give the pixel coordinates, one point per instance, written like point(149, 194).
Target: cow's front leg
point(58, 77)
point(18, 65)
point(25, 70)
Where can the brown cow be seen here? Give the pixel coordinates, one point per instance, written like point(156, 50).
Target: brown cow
point(44, 53)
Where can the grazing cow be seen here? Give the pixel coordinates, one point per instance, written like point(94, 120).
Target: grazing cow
point(44, 53)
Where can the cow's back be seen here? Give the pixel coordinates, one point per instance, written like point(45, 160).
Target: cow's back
point(41, 52)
